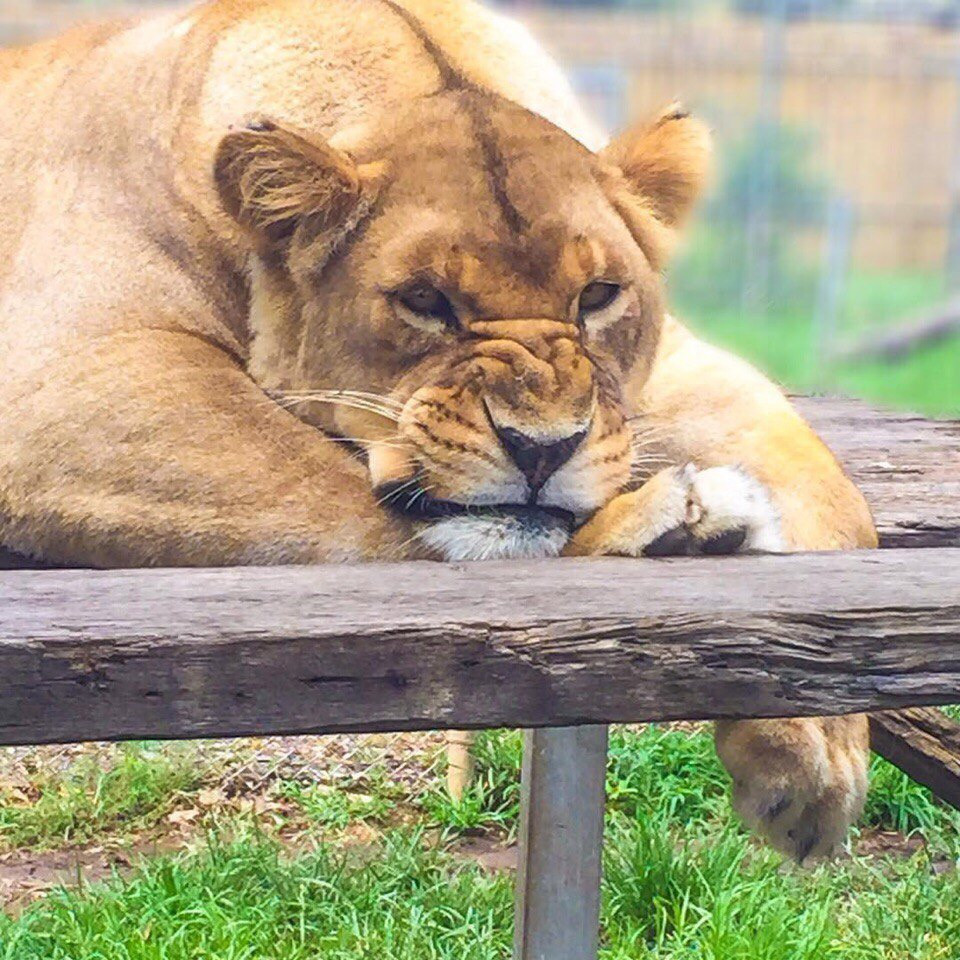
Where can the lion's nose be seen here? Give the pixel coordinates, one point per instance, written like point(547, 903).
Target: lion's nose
point(538, 460)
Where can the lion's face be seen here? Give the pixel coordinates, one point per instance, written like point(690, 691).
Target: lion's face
point(481, 290)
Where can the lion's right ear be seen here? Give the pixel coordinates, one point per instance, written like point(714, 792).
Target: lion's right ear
point(665, 162)
point(273, 181)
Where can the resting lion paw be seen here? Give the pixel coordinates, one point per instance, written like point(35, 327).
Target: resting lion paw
point(682, 511)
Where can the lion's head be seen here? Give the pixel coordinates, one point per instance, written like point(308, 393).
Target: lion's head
point(476, 290)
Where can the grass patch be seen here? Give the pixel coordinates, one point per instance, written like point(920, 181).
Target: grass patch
point(683, 881)
point(673, 773)
point(784, 344)
point(492, 801)
point(895, 802)
point(701, 890)
point(139, 787)
point(663, 769)
point(245, 901)
point(328, 806)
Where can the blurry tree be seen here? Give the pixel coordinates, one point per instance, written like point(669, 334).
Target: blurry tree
point(713, 269)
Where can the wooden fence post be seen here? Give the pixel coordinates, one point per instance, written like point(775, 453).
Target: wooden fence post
point(460, 762)
point(561, 833)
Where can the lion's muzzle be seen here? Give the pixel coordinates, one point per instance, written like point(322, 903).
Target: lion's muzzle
point(515, 430)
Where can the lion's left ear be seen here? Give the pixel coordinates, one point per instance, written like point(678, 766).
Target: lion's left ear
point(665, 162)
point(287, 189)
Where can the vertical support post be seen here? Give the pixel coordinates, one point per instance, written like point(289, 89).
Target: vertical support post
point(460, 762)
point(561, 833)
point(762, 187)
point(952, 265)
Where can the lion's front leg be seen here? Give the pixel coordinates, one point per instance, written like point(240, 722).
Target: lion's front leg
point(800, 782)
point(154, 448)
point(684, 510)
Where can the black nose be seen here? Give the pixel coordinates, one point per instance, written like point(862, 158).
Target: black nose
point(538, 460)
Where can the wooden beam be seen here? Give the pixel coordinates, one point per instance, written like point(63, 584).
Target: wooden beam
point(91, 655)
point(908, 468)
point(925, 744)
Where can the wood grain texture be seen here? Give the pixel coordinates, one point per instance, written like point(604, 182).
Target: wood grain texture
point(907, 467)
point(199, 653)
point(925, 744)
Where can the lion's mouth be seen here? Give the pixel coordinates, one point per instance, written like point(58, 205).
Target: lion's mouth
point(417, 505)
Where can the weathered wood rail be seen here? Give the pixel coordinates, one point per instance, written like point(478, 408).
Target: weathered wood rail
point(907, 467)
point(563, 647)
point(91, 655)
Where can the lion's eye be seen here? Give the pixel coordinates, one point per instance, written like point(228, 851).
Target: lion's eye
point(597, 295)
point(427, 301)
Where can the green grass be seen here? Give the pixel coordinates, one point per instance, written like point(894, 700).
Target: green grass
point(492, 800)
point(784, 344)
point(683, 880)
point(243, 902)
point(329, 807)
point(88, 802)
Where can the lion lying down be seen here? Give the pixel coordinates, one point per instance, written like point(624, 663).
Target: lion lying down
point(290, 281)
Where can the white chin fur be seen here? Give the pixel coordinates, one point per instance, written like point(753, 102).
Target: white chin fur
point(493, 538)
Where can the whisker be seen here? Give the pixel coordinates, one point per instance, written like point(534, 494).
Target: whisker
point(406, 543)
point(422, 492)
point(384, 406)
point(382, 397)
point(343, 401)
point(397, 491)
point(639, 457)
point(359, 405)
point(648, 433)
point(366, 442)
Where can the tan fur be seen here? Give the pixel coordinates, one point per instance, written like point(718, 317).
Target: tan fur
point(203, 319)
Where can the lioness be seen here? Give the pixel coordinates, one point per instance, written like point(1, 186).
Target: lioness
point(292, 281)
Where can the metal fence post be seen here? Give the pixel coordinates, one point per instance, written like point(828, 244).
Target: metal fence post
point(561, 834)
point(833, 275)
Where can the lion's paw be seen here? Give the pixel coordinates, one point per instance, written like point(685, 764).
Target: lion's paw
point(725, 510)
point(684, 510)
point(802, 791)
point(728, 510)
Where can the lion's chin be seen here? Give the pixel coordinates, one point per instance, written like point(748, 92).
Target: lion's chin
point(528, 534)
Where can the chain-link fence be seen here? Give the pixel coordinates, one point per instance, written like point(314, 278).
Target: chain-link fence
point(251, 766)
point(836, 206)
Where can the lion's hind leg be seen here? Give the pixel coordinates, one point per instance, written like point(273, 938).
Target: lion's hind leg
point(801, 782)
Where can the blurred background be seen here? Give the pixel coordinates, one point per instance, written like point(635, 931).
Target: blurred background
point(829, 248)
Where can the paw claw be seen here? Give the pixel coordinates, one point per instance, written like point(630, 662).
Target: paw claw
point(804, 843)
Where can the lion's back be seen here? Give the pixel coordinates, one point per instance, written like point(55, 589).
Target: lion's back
point(499, 53)
point(110, 124)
